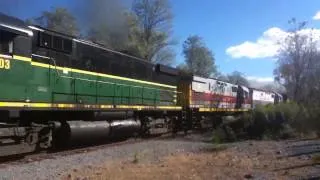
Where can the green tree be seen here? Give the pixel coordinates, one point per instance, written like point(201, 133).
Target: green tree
point(59, 19)
point(237, 77)
point(298, 65)
point(199, 60)
point(152, 36)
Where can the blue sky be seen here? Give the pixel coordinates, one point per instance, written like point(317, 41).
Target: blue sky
point(222, 24)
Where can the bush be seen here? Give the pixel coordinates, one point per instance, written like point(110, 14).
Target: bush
point(284, 120)
point(280, 121)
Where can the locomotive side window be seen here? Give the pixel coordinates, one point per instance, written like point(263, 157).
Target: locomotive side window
point(234, 89)
point(57, 43)
point(45, 40)
point(6, 42)
point(67, 45)
point(246, 94)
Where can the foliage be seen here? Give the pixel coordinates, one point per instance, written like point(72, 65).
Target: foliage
point(237, 77)
point(218, 136)
point(143, 31)
point(284, 120)
point(272, 121)
point(199, 60)
point(298, 65)
point(153, 30)
point(59, 19)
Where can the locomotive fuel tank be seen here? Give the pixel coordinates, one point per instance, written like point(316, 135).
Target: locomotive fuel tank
point(83, 131)
point(125, 128)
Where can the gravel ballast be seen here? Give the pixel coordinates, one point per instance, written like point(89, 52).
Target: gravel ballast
point(259, 159)
point(55, 167)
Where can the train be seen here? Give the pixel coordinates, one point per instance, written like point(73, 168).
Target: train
point(57, 89)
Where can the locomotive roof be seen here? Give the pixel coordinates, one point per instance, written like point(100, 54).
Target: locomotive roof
point(15, 25)
point(96, 45)
point(217, 80)
point(257, 89)
point(87, 42)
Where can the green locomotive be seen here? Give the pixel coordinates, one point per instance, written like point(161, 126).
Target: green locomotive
point(56, 88)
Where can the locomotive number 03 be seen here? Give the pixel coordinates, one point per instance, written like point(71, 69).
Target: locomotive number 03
point(4, 63)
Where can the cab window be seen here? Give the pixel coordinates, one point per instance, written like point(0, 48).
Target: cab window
point(234, 89)
point(246, 95)
point(6, 42)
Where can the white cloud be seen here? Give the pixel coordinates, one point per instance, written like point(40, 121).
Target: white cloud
point(265, 46)
point(268, 45)
point(317, 16)
point(260, 79)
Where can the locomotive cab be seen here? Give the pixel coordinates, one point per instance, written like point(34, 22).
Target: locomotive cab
point(15, 37)
point(15, 45)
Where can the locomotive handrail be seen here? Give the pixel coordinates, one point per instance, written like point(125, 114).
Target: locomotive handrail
point(50, 58)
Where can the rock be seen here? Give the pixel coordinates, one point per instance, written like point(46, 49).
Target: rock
point(248, 176)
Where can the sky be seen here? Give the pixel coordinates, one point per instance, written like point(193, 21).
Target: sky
point(241, 34)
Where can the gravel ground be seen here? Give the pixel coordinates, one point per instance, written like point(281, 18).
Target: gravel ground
point(240, 160)
point(54, 168)
point(260, 159)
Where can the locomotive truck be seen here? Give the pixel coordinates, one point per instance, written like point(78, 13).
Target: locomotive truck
point(56, 89)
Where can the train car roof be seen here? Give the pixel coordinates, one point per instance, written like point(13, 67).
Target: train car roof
point(245, 87)
point(257, 89)
point(15, 25)
point(201, 79)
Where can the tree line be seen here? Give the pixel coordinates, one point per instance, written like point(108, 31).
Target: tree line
point(145, 30)
point(298, 64)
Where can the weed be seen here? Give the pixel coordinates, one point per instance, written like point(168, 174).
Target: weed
point(215, 148)
point(135, 158)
